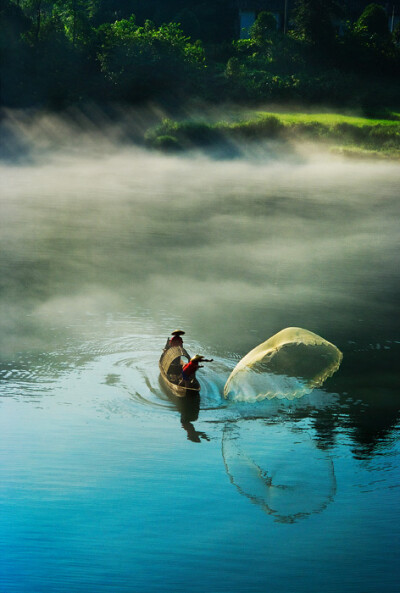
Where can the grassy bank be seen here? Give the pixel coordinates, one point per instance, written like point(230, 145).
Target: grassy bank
point(340, 133)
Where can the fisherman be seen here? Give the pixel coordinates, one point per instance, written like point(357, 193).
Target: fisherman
point(176, 339)
point(189, 370)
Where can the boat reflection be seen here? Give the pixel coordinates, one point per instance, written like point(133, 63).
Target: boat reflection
point(189, 408)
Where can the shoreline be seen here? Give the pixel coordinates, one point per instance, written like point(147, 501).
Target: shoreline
point(345, 135)
point(226, 132)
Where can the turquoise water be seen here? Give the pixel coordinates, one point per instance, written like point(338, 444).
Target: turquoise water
point(107, 482)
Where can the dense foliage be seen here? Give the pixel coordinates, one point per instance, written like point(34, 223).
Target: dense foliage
point(141, 61)
point(57, 52)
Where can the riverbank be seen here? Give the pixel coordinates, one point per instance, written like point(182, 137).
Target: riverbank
point(344, 134)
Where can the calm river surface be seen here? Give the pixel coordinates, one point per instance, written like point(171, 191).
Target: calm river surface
point(107, 483)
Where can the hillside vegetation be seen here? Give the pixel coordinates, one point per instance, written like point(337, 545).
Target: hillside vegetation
point(57, 53)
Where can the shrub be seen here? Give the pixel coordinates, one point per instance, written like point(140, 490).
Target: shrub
point(350, 132)
point(233, 69)
point(312, 129)
point(267, 127)
point(198, 133)
point(167, 143)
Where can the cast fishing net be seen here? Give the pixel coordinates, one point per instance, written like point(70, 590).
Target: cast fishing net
point(290, 364)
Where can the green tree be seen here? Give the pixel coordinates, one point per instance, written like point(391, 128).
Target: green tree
point(313, 20)
point(58, 70)
point(37, 11)
point(75, 15)
point(233, 68)
point(368, 46)
point(142, 61)
point(373, 23)
point(264, 27)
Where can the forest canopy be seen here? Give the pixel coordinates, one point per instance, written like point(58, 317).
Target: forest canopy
point(54, 53)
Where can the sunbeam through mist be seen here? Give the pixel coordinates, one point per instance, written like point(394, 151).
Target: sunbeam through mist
point(274, 244)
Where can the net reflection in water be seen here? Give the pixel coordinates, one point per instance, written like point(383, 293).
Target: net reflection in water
point(281, 471)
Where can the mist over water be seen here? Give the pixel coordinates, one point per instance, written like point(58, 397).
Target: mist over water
point(95, 229)
point(105, 248)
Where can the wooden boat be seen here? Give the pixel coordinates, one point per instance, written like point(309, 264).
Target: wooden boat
point(171, 362)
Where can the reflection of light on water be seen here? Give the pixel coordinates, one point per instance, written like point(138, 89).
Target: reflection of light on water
point(139, 377)
point(125, 367)
point(125, 370)
point(288, 365)
point(281, 471)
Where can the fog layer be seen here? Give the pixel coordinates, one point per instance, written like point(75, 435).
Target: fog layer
point(230, 250)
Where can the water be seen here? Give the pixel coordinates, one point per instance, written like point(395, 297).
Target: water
point(108, 483)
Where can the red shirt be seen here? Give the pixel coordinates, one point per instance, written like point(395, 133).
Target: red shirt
point(191, 367)
point(176, 341)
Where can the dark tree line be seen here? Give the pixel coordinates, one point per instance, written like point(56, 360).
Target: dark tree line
point(57, 52)
point(354, 64)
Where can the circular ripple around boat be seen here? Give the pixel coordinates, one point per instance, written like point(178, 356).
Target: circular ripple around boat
point(122, 372)
point(136, 373)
